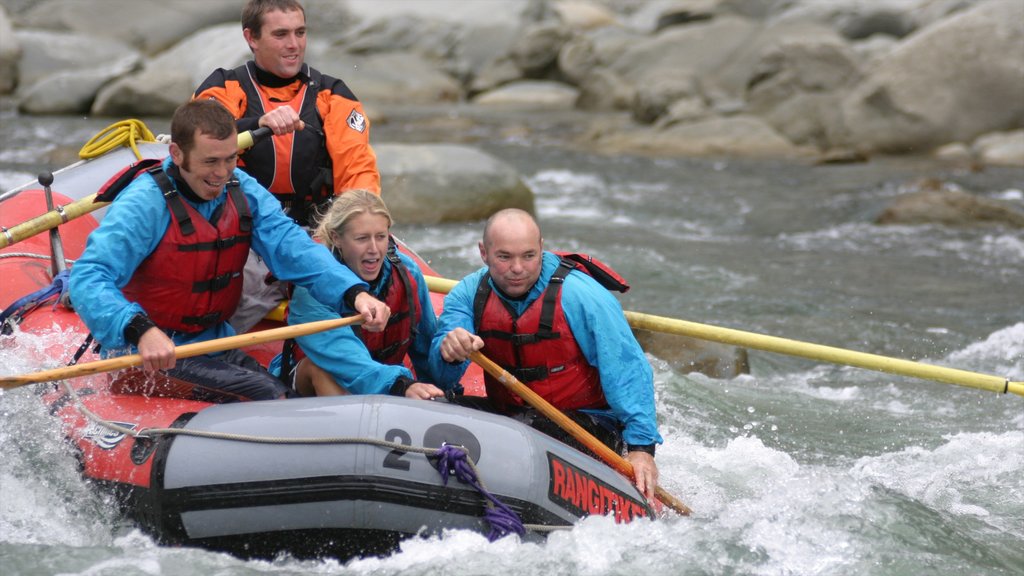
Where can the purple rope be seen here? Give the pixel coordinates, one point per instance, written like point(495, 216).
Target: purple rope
point(503, 520)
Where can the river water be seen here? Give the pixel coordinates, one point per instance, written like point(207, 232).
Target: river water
point(798, 468)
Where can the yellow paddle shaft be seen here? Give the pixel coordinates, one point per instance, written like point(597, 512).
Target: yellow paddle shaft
point(185, 351)
point(83, 206)
point(804, 349)
point(49, 220)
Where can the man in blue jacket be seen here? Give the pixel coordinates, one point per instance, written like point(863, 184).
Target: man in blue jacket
point(558, 331)
point(164, 268)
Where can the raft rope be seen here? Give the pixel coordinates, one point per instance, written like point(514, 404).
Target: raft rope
point(123, 133)
point(503, 520)
point(451, 459)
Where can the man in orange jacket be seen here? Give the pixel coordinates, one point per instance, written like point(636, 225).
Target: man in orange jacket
point(321, 143)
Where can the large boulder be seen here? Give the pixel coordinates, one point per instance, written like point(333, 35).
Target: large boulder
point(72, 91)
point(434, 183)
point(1001, 148)
point(10, 52)
point(955, 80)
point(150, 25)
point(45, 53)
point(799, 81)
point(935, 202)
point(389, 77)
point(687, 354)
point(734, 135)
point(530, 94)
point(169, 80)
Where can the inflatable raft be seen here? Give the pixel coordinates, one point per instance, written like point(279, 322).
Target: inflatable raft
point(338, 476)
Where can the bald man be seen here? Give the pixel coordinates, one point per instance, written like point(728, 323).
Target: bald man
point(587, 364)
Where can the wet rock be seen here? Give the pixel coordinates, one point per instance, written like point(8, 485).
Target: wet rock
point(10, 52)
point(744, 135)
point(535, 52)
point(687, 354)
point(167, 81)
point(581, 15)
point(434, 183)
point(936, 202)
point(45, 53)
point(533, 95)
point(1001, 149)
point(942, 84)
point(149, 25)
point(391, 77)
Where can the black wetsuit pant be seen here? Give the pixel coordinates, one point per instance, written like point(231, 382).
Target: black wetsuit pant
point(233, 376)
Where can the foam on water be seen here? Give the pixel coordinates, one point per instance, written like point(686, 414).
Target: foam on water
point(963, 476)
point(1002, 353)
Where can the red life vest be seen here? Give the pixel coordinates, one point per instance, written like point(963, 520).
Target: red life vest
point(294, 167)
point(538, 348)
point(193, 279)
point(391, 345)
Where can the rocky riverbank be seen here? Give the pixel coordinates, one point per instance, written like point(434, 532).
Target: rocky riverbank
point(835, 80)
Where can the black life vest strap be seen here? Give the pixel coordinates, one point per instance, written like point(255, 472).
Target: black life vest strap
point(321, 188)
point(204, 321)
point(174, 201)
point(287, 360)
point(241, 205)
point(545, 326)
point(219, 282)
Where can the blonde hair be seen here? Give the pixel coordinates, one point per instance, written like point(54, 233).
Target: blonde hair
point(345, 207)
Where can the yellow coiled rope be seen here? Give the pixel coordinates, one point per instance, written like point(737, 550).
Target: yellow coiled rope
point(123, 133)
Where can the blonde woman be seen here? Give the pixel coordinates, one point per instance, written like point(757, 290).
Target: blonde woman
point(356, 228)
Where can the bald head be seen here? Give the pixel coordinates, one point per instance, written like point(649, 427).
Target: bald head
point(510, 221)
point(512, 249)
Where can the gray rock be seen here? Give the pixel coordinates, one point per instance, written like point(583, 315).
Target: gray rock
point(535, 52)
point(582, 15)
point(480, 49)
point(702, 49)
point(577, 59)
point(1001, 148)
point(798, 84)
point(531, 95)
point(10, 53)
point(735, 135)
point(687, 354)
point(857, 20)
point(957, 79)
point(45, 53)
point(391, 77)
point(72, 91)
point(434, 183)
point(432, 38)
point(497, 73)
point(149, 25)
point(169, 80)
point(934, 202)
point(654, 98)
point(680, 13)
point(604, 90)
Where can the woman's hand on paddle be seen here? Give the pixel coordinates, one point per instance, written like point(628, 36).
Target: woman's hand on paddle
point(459, 344)
point(645, 472)
point(157, 350)
point(423, 391)
point(375, 313)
